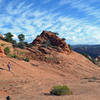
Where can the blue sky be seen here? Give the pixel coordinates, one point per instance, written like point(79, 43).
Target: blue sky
point(76, 20)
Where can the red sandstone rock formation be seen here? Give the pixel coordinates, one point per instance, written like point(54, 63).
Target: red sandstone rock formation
point(1, 52)
point(51, 42)
point(1, 37)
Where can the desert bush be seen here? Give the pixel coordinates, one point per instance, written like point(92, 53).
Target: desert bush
point(22, 53)
point(46, 44)
point(26, 59)
point(69, 46)
point(21, 45)
point(29, 45)
point(88, 57)
point(60, 90)
point(2, 44)
point(7, 50)
point(55, 47)
point(13, 55)
point(15, 44)
point(56, 33)
point(63, 39)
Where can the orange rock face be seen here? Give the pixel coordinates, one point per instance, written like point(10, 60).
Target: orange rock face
point(1, 36)
point(47, 46)
point(3, 93)
point(1, 52)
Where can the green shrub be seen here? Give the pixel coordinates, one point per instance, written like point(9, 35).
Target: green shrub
point(47, 44)
point(26, 59)
point(88, 57)
point(63, 39)
point(56, 33)
point(15, 44)
point(7, 50)
point(13, 56)
point(55, 47)
point(60, 90)
point(2, 44)
point(69, 46)
point(29, 45)
point(21, 45)
point(21, 53)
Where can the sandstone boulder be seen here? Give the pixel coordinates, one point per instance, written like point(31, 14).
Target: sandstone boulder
point(50, 39)
point(1, 37)
point(1, 52)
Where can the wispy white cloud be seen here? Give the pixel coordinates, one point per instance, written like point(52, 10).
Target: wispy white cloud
point(38, 13)
point(15, 36)
point(74, 30)
point(14, 9)
point(31, 21)
point(83, 6)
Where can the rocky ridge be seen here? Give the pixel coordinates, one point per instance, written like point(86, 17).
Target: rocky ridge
point(47, 46)
point(51, 41)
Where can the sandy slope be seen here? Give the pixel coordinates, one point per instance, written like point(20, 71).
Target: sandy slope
point(33, 80)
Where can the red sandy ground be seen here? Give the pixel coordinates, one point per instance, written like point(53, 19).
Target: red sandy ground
point(33, 80)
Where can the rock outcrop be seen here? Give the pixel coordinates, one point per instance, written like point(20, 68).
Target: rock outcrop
point(1, 52)
point(47, 46)
point(49, 40)
point(1, 37)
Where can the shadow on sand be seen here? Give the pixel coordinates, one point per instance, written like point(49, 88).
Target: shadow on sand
point(47, 94)
point(2, 69)
point(8, 71)
point(34, 65)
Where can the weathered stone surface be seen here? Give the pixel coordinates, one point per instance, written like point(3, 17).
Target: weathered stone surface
point(50, 39)
point(44, 50)
point(1, 52)
point(1, 37)
point(47, 46)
